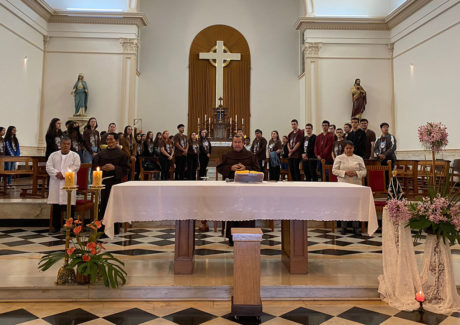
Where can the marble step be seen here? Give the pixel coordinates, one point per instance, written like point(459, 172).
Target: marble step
point(162, 293)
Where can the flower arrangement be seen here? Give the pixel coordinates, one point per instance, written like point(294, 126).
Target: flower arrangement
point(88, 256)
point(437, 214)
point(433, 136)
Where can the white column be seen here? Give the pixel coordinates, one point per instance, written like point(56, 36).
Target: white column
point(128, 81)
point(311, 55)
point(42, 127)
point(393, 106)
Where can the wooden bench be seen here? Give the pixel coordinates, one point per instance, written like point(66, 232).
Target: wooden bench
point(27, 170)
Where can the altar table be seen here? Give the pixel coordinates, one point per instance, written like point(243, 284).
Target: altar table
point(291, 202)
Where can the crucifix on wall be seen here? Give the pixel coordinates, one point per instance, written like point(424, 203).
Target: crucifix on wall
point(220, 57)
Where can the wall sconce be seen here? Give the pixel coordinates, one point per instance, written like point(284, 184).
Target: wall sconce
point(26, 59)
point(412, 69)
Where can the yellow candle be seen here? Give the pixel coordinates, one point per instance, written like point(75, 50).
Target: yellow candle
point(97, 177)
point(69, 179)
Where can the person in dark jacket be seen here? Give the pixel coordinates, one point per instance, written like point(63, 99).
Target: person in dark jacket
point(309, 162)
point(53, 137)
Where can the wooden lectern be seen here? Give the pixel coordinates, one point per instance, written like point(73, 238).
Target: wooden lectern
point(246, 299)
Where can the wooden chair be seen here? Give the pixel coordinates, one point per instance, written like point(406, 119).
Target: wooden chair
point(455, 171)
point(148, 174)
point(425, 174)
point(285, 172)
point(328, 177)
point(407, 174)
point(377, 178)
point(86, 202)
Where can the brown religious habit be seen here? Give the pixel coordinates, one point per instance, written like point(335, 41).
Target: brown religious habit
point(230, 159)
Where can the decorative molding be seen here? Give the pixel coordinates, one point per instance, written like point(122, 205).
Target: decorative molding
point(332, 23)
point(130, 45)
point(83, 17)
point(302, 75)
point(119, 18)
point(311, 50)
point(341, 23)
point(40, 7)
point(405, 11)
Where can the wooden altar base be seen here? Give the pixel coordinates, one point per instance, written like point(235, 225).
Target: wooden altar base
point(293, 238)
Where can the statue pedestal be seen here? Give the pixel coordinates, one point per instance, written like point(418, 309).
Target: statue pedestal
point(81, 119)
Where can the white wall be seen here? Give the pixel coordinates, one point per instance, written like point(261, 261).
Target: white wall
point(345, 56)
point(21, 36)
point(430, 41)
point(95, 51)
point(268, 26)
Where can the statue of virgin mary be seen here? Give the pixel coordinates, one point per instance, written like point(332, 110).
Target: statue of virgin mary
point(80, 94)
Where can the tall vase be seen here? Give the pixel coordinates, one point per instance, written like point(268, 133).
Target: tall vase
point(438, 281)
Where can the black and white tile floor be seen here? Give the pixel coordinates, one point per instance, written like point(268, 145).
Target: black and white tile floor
point(158, 241)
point(209, 313)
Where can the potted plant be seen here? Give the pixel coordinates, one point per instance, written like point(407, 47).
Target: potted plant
point(88, 256)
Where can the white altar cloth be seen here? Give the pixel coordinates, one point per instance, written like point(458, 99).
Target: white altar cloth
point(222, 201)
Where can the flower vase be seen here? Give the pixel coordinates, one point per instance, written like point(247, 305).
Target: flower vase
point(437, 277)
point(82, 279)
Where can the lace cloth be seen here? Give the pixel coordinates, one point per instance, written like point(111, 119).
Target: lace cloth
point(222, 201)
point(438, 281)
point(400, 279)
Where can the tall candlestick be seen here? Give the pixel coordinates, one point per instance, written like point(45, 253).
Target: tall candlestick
point(97, 177)
point(69, 179)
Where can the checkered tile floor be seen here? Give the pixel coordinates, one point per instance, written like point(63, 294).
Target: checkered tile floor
point(157, 241)
point(184, 313)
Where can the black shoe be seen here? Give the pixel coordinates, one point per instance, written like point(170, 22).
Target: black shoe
point(343, 231)
point(357, 231)
point(54, 231)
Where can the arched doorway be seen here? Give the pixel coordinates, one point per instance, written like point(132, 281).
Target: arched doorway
point(236, 79)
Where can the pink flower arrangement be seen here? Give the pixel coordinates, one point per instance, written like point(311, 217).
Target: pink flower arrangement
point(433, 136)
point(438, 215)
point(399, 211)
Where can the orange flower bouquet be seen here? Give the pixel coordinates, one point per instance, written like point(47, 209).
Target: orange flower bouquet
point(88, 256)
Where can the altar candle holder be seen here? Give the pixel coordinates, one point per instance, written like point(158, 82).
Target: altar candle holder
point(96, 189)
point(66, 275)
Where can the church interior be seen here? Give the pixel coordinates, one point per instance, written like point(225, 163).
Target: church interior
point(158, 162)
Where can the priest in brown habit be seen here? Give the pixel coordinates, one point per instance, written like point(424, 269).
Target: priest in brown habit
point(237, 158)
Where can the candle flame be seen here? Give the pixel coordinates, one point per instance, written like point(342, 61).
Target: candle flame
point(98, 169)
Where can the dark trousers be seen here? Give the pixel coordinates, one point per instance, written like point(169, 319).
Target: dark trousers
point(137, 168)
point(105, 194)
point(179, 172)
point(204, 161)
point(57, 211)
point(274, 173)
point(294, 168)
point(309, 169)
point(238, 224)
point(192, 166)
point(261, 165)
point(165, 164)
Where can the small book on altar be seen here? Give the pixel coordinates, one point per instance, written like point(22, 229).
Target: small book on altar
point(249, 176)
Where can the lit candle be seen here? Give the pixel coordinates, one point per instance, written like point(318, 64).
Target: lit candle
point(198, 121)
point(69, 179)
point(419, 296)
point(209, 122)
point(97, 177)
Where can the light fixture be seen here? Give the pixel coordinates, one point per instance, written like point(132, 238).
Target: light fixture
point(26, 59)
point(412, 69)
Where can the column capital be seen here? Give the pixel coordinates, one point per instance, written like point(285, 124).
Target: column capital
point(311, 50)
point(130, 45)
point(391, 47)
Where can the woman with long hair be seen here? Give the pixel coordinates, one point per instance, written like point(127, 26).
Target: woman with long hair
point(205, 152)
point(156, 144)
point(274, 163)
point(91, 140)
point(2, 141)
point(192, 156)
point(129, 142)
point(139, 154)
point(75, 136)
point(53, 137)
point(166, 154)
point(149, 150)
point(12, 149)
